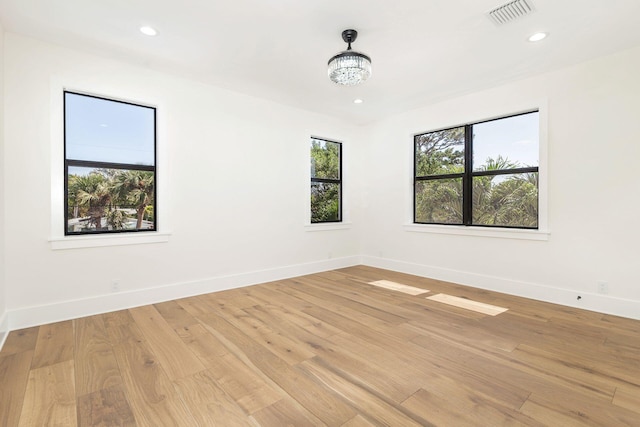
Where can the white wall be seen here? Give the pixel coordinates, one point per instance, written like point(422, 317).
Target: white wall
point(593, 191)
point(3, 305)
point(233, 189)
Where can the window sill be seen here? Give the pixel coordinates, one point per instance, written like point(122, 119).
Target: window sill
point(328, 226)
point(74, 242)
point(502, 233)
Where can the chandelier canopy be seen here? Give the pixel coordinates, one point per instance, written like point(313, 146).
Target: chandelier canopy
point(349, 67)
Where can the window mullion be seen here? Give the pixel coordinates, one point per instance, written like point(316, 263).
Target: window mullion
point(442, 176)
point(109, 165)
point(467, 179)
point(340, 182)
point(327, 180)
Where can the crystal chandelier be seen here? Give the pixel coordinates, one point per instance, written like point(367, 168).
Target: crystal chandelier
point(349, 67)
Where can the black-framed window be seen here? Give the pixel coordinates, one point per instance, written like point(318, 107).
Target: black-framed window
point(109, 165)
point(480, 174)
point(326, 181)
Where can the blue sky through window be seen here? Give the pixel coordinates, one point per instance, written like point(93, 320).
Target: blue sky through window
point(515, 138)
point(101, 130)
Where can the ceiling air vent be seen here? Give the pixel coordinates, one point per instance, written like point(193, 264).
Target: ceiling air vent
point(511, 11)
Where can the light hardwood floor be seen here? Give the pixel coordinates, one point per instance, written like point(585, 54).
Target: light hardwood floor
point(326, 349)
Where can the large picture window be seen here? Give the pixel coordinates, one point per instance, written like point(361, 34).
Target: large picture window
point(326, 181)
point(481, 174)
point(110, 157)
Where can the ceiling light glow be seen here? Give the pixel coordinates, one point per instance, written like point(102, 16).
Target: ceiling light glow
point(148, 31)
point(537, 37)
point(357, 101)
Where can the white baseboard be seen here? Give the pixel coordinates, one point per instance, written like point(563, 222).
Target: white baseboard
point(4, 329)
point(72, 309)
point(588, 301)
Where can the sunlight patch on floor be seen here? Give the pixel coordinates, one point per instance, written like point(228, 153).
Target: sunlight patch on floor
point(480, 307)
point(387, 284)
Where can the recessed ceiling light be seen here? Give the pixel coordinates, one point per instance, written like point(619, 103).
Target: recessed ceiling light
point(148, 31)
point(357, 101)
point(537, 37)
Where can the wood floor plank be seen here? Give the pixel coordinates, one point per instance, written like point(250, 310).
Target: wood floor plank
point(362, 365)
point(543, 334)
point(95, 364)
point(176, 360)
point(315, 292)
point(288, 308)
point(287, 349)
point(358, 421)
point(205, 346)
point(247, 388)
point(120, 327)
point(365, 401)
point(397, 383)
point(624, 341)
point(449, 402)
point(348, 319)
point(20, 341)
point(571, 409)
point(208, 403)
point(195, 306)
point(103, 408)
point(574, 369)
point(238, 298)
point(402, 353)
point(455, 314)
point(432, 367)
point(177, 317)
point(285, 414)
point(54, 344)
point(473, 332)
point(322, 403)
point(50, 397)
point(151, 396)
point(512, 379)
point(14, 373)
point(374, 297)
point(627, 396)
point(565, 342)
point(621, 324)
point(438, 410)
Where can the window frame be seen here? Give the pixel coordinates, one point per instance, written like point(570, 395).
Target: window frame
point(107, 165)
point(468, 174)
point(329, 181)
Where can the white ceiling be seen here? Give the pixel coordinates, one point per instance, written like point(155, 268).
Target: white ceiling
point(422, 50)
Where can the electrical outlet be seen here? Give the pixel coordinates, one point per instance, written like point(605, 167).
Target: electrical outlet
point(115, 285)
point(603, 287)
